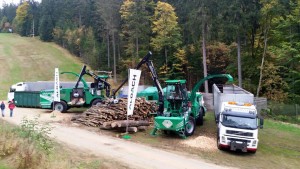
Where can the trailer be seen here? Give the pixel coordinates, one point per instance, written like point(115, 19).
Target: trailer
point(236, 117)
point(27, 94)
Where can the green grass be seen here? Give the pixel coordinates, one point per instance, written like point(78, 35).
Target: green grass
point(29, 59)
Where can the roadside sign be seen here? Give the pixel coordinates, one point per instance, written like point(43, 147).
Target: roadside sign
point(56, 97)
point(133, 83)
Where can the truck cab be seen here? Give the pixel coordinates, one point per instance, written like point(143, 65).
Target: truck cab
point(238, 125)
point(176, 96)
point(20, 86)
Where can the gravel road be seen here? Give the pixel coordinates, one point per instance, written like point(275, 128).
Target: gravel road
point(133, 155)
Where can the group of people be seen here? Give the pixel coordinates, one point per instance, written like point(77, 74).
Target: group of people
point(11, 106)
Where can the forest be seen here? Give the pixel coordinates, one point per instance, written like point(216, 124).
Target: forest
point(256, 41)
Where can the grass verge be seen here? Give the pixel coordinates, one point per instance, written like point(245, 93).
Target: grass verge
point(28, 147)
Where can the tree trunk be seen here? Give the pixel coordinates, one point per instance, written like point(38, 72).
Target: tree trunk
point(119, 52)
point(114, 52)
point(239, 61)
point(137, 47)
point(130, 123)
point(204, 57)
point(262, 60)
point(108, 50)
point(129, 129)
point(166, 55)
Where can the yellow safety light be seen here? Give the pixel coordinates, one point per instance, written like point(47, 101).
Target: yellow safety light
point(232, 103)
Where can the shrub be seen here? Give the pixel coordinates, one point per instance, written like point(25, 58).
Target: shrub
point(37, 133)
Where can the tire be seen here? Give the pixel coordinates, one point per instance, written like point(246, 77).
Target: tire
point(252, 152)
point(167, 132)
point(95, 102)
point(190, 126)
point(60, 106)
point(199, 120)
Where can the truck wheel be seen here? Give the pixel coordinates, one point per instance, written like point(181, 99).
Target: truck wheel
point(167, 132)
point(95, 102)
point(200, 118)
point(60, 106)
point(252, 152)
point(190, 126)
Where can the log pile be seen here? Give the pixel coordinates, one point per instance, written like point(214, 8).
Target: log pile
point(108, 115)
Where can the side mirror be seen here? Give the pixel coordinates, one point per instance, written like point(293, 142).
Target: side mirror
point(261, 123)
point(218, 118)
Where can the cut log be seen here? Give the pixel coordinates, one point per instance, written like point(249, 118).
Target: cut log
point(142, 128)
point(107, 124)
point(130, 129)
point(105, 127)
point(101, 113)
point(131, 123)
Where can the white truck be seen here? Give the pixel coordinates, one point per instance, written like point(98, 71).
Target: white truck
point(237, 118)
point(20, 86)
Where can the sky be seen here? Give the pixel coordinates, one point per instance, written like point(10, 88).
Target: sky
point(12, 1)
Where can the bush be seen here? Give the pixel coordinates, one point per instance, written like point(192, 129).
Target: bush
point(29, 145)
point(37, 133)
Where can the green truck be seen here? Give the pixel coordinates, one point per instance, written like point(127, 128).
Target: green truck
point(78, 96)
point(27, 94)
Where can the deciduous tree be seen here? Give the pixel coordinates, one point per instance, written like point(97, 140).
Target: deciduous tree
point(165, 29)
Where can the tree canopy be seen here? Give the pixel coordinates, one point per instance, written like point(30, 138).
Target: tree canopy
point(257, 42)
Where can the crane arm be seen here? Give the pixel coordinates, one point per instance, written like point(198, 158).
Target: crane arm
point(144, 60)
point(154, 77)
point(96, 78)
point(100, 81)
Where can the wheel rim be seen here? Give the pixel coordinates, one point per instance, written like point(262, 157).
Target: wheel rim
point(59, 107)
point(189, 126)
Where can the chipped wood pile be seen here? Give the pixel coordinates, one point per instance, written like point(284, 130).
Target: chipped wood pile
point(113, 116)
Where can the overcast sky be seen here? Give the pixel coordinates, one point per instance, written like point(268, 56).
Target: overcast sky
point(12, 1)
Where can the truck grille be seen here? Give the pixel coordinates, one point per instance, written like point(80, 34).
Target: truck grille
point(240, 140)
point(240, 133)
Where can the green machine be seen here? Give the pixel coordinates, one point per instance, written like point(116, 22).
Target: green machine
point(78, 96)
point(178, 110)
point(182, 110)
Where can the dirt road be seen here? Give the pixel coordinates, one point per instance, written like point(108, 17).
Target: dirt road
point(131, 154)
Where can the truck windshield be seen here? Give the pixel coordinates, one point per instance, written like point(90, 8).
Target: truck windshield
point(239, 122)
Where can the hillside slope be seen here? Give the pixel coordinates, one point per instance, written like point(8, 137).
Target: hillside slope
point(29, 59)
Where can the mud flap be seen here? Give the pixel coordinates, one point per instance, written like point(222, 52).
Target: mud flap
point(238, 146)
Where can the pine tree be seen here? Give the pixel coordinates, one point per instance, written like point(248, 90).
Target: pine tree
point(46, 28)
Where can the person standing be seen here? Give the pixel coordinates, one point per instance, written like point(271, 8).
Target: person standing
point(2, 108)
point(11, 107)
